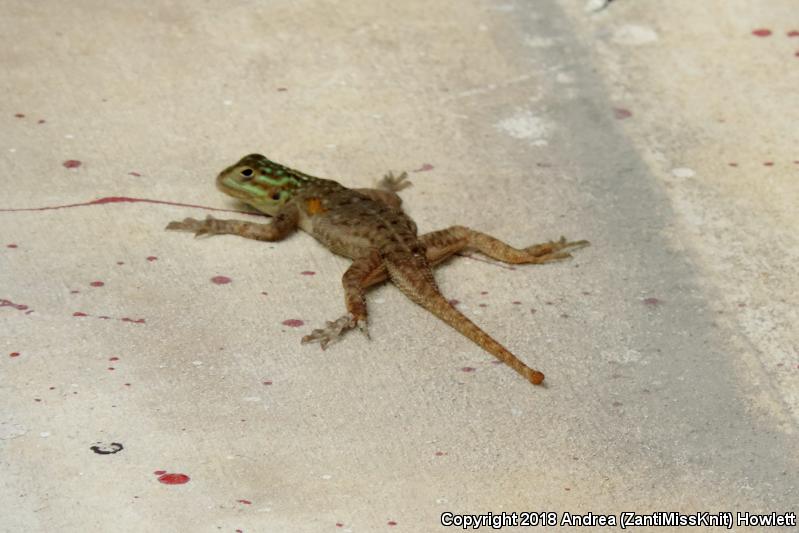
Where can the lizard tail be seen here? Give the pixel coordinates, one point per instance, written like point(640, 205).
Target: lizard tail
point(425, 292)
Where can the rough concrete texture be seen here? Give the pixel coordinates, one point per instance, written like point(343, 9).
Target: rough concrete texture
point(665, 133)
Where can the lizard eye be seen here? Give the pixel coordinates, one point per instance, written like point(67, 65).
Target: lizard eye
point(246, 173)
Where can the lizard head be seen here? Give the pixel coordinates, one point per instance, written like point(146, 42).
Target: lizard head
point(259, 182)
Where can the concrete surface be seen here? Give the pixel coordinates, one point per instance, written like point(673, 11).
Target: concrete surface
point(665, 133)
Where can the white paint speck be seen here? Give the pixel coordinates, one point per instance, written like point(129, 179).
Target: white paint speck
point(564, 77)
point(44, 434)
point(633, 35)
point(69, 136)
point(228, 102)
point(12, 150)
point(528, 126)
point(539, 42)
point(683, 172)
point(327, 476)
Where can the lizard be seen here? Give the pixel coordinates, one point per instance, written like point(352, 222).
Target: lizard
point(369, 227)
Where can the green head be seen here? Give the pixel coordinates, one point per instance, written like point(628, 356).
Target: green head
point(261, 183)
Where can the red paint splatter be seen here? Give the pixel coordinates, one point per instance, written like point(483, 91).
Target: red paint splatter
point(79, 313)
point(768, 163)
point(96, 283)
point(392, 523)
point(652, 301)
point(72, 163)
point(245, 502)
point(134, 174)
point(733, 164)
point(14, 354)
point(468, 369)
point(12, 245)
point(173, 479)
point(9, 303)
point(19, 115)
point(126, 199)
point(221, 280)
point(793, 33)
point(440, 454)
point(308, 273)
point(761, 32)
point(293, 322)
point(620, 113)
point(159, 472)
point(339, 524)
point(152, 258)
point(114, 358)
point(424, 168)
point(268, 382)
point(111, 368)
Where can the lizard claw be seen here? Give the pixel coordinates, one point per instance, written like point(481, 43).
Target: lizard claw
point(393, 183)
point(209, 226)
point(332, 331)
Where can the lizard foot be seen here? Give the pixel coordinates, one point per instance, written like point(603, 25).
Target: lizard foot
point(393, 183)
point(555, 250)
point(209, 226)
point(335, 329)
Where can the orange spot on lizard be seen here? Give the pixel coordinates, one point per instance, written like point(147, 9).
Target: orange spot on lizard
point(314, 206)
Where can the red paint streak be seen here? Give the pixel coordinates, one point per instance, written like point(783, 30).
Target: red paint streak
point(308, 273)
point(12, 245)
point(114, 358)
point(293, 322)
point(79, 313)
point(339, 524)
point(134, 174)
point(793, 33)
point(111, 368)
point(72, 163)
point(221, 280)
point(768, 163)
point(652, 301)
point(126, 199)
point(268, 382)
point(96, 283)
point(173, 479)
point(440, 454)
point(14, 354)
point(468, 369)
point(761, 32)
point(424, 168)
point(19, 115)
point(152, 258)
point(159, 472)
point(9, 303)
point(620, 113)
point(392, 523)
point(245, 502)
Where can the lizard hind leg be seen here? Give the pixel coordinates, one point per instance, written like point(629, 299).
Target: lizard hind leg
point(355, 281)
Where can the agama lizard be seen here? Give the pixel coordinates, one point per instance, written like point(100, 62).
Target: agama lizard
point(368, 226)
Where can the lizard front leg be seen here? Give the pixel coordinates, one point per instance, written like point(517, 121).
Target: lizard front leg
point(442, 244)
point(282, 225)
point(355, 281)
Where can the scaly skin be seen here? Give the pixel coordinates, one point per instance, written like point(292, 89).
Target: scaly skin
point(368, 226)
